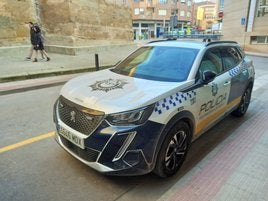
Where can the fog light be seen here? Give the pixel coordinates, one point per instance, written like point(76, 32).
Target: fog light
point(125, 145)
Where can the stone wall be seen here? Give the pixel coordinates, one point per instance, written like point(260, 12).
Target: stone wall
point(67, 22)
point(13, 15)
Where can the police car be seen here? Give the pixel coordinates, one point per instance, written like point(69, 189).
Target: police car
point(143, 114)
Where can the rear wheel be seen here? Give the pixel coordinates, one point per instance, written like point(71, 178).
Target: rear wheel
point(244, 103)
point(173, 151)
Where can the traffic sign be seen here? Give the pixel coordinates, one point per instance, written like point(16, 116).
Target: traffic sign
point(243, 21)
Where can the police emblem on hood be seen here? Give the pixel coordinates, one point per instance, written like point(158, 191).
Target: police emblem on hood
point(108, 85)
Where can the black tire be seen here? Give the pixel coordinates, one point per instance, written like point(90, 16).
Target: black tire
point(173, 150)
point(244, 103)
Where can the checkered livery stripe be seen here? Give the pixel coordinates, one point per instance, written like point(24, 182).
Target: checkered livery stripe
point(173, 101)
point(234, 71)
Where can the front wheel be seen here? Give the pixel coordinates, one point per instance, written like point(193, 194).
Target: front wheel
point(173, 151)
point(244, 103)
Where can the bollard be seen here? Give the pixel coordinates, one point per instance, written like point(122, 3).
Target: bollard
point(97, 62)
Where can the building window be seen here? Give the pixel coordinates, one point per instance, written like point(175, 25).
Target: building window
point(262, 8)
point(163, 1)
point(210, 9)
point(182, 1)
point(141, 11)
point(182, 13)
point(174, 11)
point(221, 6)
point(259, 39)
point(136, 1)
point(188, 14)
point(162, 12)
point(150, 12)
point(144, 25)
point(189, 3)
point(136, 11)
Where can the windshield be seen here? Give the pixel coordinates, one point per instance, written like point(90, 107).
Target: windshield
point(170, 64)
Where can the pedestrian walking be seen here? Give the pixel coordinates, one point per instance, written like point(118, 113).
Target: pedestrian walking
point(38, 44)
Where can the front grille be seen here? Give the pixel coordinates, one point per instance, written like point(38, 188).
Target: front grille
point(81, 119)
point(87, 154)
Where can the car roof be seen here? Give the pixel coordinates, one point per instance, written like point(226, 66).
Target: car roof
point(195, 44)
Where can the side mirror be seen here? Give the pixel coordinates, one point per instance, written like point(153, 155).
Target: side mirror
point(208, 76)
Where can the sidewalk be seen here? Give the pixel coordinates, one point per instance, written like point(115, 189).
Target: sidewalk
point(14, 66)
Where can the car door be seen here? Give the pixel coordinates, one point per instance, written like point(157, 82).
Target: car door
point(234, 64)
point(212, 97)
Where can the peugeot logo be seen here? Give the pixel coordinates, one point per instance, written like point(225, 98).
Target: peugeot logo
point(73, 116)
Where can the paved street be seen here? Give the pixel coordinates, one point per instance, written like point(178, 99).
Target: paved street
point(199, 43)
point(230, 162)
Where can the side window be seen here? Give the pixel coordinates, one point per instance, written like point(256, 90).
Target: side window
point(230, 57)
point(242, 53)
point(211, 62)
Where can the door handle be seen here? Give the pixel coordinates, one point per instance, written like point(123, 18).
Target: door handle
point(227, 83)
point(244, 72)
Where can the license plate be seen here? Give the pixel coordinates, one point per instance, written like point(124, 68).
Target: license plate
point(72, 137)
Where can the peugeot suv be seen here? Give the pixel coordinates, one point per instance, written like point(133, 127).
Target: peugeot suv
point(142, 115)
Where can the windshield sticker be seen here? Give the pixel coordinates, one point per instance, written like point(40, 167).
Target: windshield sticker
point(108, 85)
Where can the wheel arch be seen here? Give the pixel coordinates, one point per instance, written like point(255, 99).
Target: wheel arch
point(184, 116)
point(250, 83)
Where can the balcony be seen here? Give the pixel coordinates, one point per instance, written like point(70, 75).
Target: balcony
point(150, 5)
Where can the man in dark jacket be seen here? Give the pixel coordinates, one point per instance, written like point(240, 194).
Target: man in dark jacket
point(37, 42)
point(33, 39)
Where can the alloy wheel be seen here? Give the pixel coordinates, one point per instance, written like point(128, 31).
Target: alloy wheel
point(176, 150)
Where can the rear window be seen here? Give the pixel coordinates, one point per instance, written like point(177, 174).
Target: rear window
point(171, 64)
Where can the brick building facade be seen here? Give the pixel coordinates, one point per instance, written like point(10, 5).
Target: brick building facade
point(65, 22)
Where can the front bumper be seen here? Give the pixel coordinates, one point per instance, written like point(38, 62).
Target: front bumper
point(115, 150)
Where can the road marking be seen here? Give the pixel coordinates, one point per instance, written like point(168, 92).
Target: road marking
point(25, 142)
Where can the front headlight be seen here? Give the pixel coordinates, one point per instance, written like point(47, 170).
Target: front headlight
point(135, 117)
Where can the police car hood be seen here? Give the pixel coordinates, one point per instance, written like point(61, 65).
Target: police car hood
point(110, 92)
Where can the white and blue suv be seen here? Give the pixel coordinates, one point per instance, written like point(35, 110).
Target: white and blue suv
point(143, 114)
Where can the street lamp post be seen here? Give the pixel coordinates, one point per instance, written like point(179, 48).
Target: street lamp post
point(173, 17)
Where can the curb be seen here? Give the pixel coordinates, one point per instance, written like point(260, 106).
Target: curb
point(48, 74)
point(31, 84)
point(22, 83)
point(256, 54)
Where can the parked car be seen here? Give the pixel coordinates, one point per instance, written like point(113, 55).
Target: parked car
point(143, 114)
